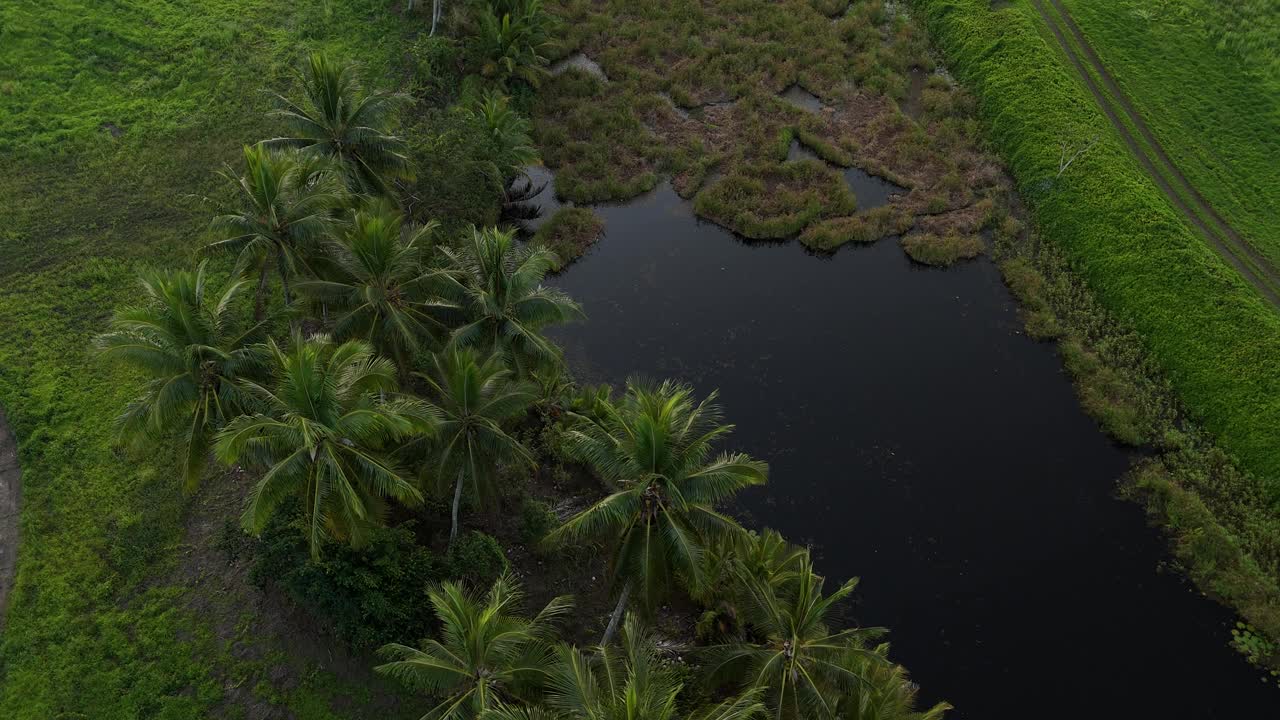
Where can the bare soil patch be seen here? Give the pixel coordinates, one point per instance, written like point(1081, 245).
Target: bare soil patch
point(10, 494)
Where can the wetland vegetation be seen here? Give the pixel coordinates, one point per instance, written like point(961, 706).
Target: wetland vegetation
point(283, 369)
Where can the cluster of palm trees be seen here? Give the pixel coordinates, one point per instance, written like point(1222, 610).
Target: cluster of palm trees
point(396, 362)
point(784, 660)
point(400, 351)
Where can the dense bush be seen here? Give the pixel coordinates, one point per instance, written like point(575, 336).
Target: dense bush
point(372, 595)
point(536, 520)
point(476, 558)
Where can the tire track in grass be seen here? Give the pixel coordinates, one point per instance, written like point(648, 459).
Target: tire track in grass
point(10, 488)
point(1229, 244)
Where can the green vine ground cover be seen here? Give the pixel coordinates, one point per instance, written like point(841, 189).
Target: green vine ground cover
point(114, 118)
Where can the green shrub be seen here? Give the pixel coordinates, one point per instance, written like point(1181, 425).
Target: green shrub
point(536, 520)
point(373, 595)
point(476, 558)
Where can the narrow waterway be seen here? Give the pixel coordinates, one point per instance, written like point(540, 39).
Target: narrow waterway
point(918, 440)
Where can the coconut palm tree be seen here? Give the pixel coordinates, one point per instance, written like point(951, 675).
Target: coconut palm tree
point(629, 682)
point(514, 39)
point(508, 136)
point(473, 398)
point(321, 438)
point(766, 556)
point(191, 351)
point(493, 288)
point(886, 694)
point(286, 212)
point(338, 119)
point(486, 654)
point(655, 448)
point(790, 653)
point(377, 287)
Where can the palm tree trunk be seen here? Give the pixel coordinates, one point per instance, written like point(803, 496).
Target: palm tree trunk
point(457, 501)
point(617, 614)
point(283, 269)
point(260, 301)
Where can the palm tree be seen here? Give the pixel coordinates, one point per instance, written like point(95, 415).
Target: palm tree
point(494, 287)
point(286, 211)
point(507, 132)
point(803, 668)
point(514, 38)
point(766, 556)
point(474, 398)
point(887, 694)
point(188, 346)
point(338, 119)
point(322, 436)
point(655, 447)
point(487, 654)
point(377, 286)
point(629, 683)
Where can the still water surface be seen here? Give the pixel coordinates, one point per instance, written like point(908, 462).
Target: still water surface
point(918, 440)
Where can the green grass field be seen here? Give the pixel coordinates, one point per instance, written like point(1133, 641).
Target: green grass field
point(114, 118)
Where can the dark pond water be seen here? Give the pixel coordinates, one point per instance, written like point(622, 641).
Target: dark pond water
point(919, 441)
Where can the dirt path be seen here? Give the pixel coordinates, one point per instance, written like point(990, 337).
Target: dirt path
point(1233, 248)
point(10, 490)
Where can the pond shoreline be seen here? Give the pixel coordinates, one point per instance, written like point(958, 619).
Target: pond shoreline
point(10, 494)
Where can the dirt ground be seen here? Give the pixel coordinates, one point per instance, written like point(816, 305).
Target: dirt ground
point(10, 492)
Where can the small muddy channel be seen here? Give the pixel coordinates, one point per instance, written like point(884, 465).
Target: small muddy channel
point(920, 441)
point(10, 492)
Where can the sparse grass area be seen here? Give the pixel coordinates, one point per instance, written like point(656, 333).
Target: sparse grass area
point(942, 250)
point(570, 233)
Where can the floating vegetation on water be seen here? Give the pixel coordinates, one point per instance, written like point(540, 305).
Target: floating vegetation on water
point(569, 233)
point(770, 201)
point(941, 250)
point(864, 227)
point(713, 112)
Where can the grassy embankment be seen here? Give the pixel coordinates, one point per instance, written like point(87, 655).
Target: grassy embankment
point(1167, 309)
point(1215, 110)
point(114, 119)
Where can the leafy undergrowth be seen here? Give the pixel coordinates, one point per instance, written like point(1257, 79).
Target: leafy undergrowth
point(113, 132)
